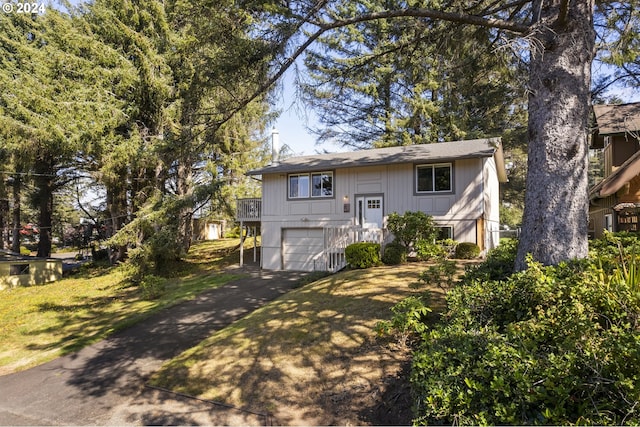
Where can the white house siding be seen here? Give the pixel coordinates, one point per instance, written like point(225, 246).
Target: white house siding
point(395, 183)
point(461, 209)
point(491, 198)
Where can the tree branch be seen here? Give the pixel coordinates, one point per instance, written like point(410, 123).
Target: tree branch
point(432, 14)
point(324, 27)
point(564, 11)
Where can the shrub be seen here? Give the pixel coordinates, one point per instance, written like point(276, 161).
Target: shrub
point(153, 237)
point(407, 320)
point(612, 248)
point(499, 263)
point(449, 247)
point(394, 254)
point(441, 274)
point(549, 345)
point(467, 250)
point(427, 250)
point(363, 255)
point(152, 287)
point(412, 226)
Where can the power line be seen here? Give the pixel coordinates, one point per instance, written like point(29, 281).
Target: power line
point(26, 173)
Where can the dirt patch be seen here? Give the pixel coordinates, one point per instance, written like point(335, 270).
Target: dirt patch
point(392, 405)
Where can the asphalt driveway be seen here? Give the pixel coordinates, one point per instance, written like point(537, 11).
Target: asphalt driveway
point(104, 384)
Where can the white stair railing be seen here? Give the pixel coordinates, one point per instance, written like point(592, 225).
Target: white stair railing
point(336, 239)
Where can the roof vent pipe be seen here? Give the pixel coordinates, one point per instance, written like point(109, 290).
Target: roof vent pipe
point(275, 146)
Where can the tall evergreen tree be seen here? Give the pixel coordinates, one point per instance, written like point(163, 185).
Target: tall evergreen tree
point(392, 82)
point(56, 98)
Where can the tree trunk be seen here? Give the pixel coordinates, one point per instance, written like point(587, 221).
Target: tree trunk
point(185, 192)
point(45, 183)
point(16, 213)
point(117, 208)
point(4, 213)
point(555, 219)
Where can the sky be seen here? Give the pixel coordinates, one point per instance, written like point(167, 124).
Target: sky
point(294, 121)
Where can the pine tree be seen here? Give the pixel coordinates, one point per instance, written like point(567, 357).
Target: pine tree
point(392, 82)
point(55, 101)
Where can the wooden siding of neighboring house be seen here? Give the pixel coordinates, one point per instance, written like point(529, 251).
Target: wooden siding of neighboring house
point(396, 183)
point(622, 149)
point(597, 212)
point(630, 193)
point(618, 150)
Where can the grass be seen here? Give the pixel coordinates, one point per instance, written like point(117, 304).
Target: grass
point(314, 347)
point(40, 323)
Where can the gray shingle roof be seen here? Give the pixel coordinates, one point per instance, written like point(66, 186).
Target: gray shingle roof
point(612, 119)
point(438, 152)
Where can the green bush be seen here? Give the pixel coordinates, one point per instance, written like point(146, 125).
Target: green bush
point(152, 287)
point(363, 255)
point(440, 274)
point(427, 250)
point(549, 345)
point(612, 248)
point(449, 247)
point(411, 227)
point(407, 320)
point(394, 254)
point(24, 251)
point(499, 263)
point(466, 250)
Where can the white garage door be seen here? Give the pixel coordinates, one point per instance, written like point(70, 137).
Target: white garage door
point(300, 246)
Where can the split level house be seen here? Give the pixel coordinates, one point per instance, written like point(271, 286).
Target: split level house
point(313, 206)
point(614, 202)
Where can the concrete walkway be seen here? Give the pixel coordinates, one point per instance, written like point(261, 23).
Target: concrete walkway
point(104, 384)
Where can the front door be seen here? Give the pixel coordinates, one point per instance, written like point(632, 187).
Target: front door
point(369, 211)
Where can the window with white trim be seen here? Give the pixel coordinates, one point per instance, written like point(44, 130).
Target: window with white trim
point(316, 185)
point(444, 232)
point(434, 178)
point(299, 186)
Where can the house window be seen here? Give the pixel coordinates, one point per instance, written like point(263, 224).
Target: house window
point(444, 232)
point(608, 222)
point(434, 178)
point(305, 185)
point(298, 186)
point(322, 184)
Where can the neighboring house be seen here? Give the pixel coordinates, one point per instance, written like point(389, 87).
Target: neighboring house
point(313, 206)
point(17, 270)
point(614, 203)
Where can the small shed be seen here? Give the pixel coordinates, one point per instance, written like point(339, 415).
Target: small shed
point(18, 270)
point(207, 229)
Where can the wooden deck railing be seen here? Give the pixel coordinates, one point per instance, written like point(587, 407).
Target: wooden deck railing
point(248, 210)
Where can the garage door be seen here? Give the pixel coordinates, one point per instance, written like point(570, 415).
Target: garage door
point(300, 246)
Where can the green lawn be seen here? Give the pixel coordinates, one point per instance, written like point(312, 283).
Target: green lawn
point(309, 357)
point(39, 323)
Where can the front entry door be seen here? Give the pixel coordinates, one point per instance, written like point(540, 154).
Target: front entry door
point(369, 211)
